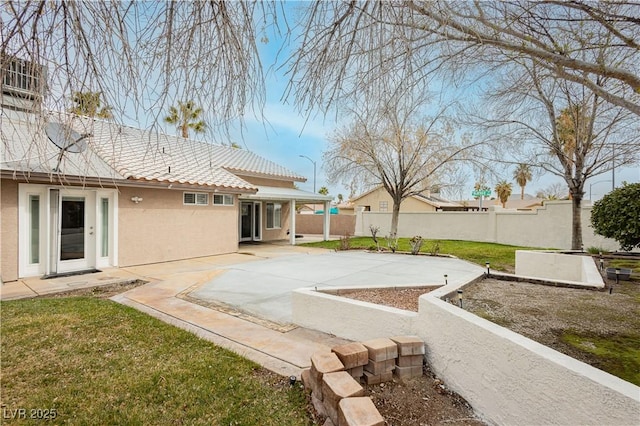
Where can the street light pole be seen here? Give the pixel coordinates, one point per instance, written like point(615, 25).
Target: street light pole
point(613, 168)
point(590, 185)
point(314, 171)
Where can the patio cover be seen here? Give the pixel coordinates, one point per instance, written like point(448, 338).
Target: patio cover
point(292, 195)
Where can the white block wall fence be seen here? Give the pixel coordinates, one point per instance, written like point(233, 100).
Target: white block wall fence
point(547, 227)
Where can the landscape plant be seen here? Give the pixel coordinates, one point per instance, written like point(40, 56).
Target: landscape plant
point(374, 232)
point(617, 216)
point(501, 256)
point(503, 189)
point(186, 116)
point(392, 242)
point(345, 242)
point(416, 244)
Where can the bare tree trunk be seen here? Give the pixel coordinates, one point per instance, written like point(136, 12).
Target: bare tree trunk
point(394, 218)
point(576, 228)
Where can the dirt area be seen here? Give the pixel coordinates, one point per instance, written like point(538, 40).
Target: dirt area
point(421, 401)
point(416, 402)
point(100, 292)
point(571, 321)
point(401, 298)
point(593, 326)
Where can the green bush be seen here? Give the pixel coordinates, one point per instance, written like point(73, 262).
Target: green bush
point(617, 216)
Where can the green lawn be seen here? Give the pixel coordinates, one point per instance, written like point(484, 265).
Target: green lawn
point(501, 257)
point(97, 362)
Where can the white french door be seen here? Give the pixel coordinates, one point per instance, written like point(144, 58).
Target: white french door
point(65, 230)
point(73, 226)
point(250, 221)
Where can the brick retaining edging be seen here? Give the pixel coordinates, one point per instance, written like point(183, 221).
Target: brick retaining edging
point(335, 378)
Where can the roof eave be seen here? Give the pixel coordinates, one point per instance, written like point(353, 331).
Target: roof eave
point(240, 172)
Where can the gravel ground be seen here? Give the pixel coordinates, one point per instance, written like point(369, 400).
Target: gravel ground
point(401, 298)
point(540, 312)
point(545, 313)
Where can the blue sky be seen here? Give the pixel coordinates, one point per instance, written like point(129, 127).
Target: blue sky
point(288, 134)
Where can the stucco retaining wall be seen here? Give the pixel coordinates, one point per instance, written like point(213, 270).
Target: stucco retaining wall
point(548, 226)
point(557, 266)
point(510, 379)
point(507, 378)
point(348, 318)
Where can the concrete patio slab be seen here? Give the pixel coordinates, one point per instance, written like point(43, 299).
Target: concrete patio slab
point(263, 288)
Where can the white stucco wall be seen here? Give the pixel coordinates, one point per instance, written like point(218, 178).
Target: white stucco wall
point(507, 378)
point(546, 227)
point(348, 318)
point(512, 380)
point(557, 266)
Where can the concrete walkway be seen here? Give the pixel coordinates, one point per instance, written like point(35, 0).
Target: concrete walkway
point(241, 301)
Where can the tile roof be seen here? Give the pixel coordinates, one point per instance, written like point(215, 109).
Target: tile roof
point(437, 201)
point(26, 150)
point(121, 152)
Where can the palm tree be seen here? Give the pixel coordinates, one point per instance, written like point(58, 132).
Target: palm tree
point(324, 190)
point(186, 116)
point(503, 189)
point(89, 104)
point(522, 175)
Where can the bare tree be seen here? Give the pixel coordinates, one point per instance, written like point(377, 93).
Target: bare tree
point(393, 146)
point(143, 55)
point(350, 45)
point(561, 128)
point(555, 191)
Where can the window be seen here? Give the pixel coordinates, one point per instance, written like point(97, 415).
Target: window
point(21, 76)
point(384, 206)
point(274, 215)
point(34, 230)
point(196, 198)
point(104, 237)
point(223, 200)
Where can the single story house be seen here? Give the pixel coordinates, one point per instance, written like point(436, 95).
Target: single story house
point(379, 200)
point(79, 194)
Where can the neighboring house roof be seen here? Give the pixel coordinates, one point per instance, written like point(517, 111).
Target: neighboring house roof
point(514, 202)
point(119, 153)
point(436, 201)
point(364, 194)
point(433, 200)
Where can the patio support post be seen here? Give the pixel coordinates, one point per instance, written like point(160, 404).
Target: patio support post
point(292, 222)
point(327, 220)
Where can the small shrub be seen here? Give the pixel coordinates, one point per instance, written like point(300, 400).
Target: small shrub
point(595, 250)
point(374, 232)
point(345, 242)
point(434, 250)
point(616, 216)
point(416, 244)
point(392, 242)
